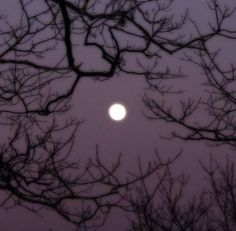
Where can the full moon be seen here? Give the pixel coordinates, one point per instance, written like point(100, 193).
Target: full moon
point(117, 111)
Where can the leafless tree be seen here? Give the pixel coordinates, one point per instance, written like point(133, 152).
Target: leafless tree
point(40, 50)
point(165, 204)
point(118, 31)
point(37, 171)
point(222, 182)
point(218, 124)
point(211, 117)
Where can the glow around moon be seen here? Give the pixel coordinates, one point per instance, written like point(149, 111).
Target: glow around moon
point(117, 112)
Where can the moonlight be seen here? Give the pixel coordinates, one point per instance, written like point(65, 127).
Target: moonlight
point(117, 112)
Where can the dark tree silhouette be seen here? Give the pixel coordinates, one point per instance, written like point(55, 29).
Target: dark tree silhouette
point(166, 205)
point(36, 172)
point(41, 49)
point(222, 181)
point(210, 117)
point(220, 98)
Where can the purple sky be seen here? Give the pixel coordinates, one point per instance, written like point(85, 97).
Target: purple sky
point(135, 136)
point(142, 136)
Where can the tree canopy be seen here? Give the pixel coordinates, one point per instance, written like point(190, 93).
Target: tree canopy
point(42, 48)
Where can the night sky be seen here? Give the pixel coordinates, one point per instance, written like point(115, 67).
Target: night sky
point(135, 136)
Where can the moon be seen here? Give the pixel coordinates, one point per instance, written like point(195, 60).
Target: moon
point(117, 111)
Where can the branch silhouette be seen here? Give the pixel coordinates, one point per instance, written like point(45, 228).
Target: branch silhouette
point(41, 50)
point(218, 100)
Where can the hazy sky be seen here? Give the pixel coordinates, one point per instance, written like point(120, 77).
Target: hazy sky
point(134, 136)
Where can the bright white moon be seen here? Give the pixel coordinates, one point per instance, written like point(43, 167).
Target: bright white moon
point(117, 112)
